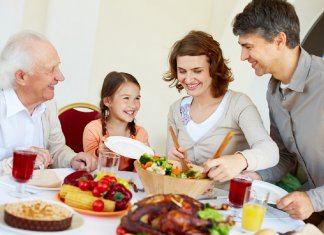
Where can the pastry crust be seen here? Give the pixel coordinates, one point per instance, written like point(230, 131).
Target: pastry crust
point(37, 215)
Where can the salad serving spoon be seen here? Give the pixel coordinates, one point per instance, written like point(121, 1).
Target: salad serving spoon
point(184, 164)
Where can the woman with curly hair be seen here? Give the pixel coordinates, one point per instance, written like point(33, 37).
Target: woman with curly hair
point(202, 119)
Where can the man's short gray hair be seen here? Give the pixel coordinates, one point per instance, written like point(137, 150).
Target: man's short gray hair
point(17, 54)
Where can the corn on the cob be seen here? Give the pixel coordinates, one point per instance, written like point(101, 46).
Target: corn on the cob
point(85, 201)
point(70, 188)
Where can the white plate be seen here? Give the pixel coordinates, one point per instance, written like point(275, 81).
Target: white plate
point(42, 188)
point(77, 222)
point(275, 191)
point(127, 147)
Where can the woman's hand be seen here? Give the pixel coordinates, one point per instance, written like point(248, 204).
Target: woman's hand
point(177, 154)
point(225, 168)
point(43, 156)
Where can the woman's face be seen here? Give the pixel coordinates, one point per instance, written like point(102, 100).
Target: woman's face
point(125, 103)
point(193, 74)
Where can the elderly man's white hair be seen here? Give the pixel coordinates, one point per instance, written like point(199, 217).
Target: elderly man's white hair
point(17, 54)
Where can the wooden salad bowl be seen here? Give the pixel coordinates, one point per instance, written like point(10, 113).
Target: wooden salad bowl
point(162, 184)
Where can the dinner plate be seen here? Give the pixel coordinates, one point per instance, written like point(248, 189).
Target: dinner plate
point(42, 188)
point(89, 212)
point(77, 222)
point(127, 147)
point(275, 191)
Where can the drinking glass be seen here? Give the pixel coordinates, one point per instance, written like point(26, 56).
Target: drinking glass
point(108, 161)
point(237, 193)
point(254, 208)
point(22, 169)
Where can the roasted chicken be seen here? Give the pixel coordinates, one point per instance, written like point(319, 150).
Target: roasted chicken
point(167, 214)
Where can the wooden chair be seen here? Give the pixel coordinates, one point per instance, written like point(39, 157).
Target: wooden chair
point(74, 117)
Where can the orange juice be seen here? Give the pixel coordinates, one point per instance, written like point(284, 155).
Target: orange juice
point(253, 215)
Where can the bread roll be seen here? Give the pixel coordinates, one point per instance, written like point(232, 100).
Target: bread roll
point(266, 231)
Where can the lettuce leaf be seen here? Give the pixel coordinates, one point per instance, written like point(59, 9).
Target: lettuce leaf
point(210, 213)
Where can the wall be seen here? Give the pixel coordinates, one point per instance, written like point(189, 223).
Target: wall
point(94, 37)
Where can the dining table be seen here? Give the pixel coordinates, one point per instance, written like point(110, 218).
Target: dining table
point(105, 225)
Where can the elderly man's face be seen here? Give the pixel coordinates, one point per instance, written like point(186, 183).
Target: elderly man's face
point(46, 73)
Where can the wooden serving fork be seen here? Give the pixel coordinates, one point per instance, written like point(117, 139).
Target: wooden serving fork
point(184, 164)
point(221, 149)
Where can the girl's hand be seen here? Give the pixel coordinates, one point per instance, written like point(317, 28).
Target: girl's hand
point(177, 154)
point(225, 168)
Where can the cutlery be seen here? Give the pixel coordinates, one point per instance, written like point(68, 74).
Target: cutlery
point(184, 164)
point(135, 188)
point(220, 150)
point(212, 197)
point(13, 185)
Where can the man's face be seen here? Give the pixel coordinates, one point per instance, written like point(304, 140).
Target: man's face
point(46, 73)
point(261, 54)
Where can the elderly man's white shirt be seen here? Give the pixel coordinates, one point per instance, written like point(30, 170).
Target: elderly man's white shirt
point(17, 126)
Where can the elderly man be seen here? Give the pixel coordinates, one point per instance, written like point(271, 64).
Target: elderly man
point(29, 72)
point(268, 33)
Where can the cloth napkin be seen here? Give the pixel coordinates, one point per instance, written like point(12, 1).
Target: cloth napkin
point(48, 179)
point(309, 229)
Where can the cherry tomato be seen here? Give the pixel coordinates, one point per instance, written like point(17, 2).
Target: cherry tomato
point(103, 186)
point(93, 184)
point(98, 205)
point(120, 230)
point(96, 192)
point(109, 178)
point(83, 185)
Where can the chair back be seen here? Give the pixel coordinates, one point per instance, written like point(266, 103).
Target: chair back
point(74, 117)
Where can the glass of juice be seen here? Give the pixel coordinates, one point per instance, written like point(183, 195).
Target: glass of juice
point(237, 192)
point(254, 208)
point(22, 169)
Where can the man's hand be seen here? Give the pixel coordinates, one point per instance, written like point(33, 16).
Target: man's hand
point(297, 204)
point(84, 161)
point(43, 156)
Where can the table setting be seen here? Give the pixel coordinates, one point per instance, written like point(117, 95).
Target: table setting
point(87, 221)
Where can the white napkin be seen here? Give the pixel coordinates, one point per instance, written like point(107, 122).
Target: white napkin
point(6, 166)
point(48, 179)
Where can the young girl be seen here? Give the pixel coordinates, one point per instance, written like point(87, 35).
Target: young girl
point(119, 104)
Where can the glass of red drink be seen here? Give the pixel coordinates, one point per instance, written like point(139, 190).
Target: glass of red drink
point(237, 192)
point(22, 169)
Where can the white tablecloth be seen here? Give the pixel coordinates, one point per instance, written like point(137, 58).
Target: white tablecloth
point(274, 219)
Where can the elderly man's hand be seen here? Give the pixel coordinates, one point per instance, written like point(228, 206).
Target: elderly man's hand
point(43, 156)
point(84, 161)
point(297, 204)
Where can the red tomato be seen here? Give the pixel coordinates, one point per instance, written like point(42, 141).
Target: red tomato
point(96, 192)
point(103, 186)
point(120, 230)
point(109, 179)
point(84, 185)
point(98, 205)
point(93, 184)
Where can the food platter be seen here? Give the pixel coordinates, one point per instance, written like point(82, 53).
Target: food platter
point(95, 213)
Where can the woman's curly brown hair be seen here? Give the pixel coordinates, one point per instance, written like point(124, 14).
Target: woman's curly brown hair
point(197, 43)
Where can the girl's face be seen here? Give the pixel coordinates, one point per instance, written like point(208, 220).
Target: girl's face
point(193, 74)
point(125, 103)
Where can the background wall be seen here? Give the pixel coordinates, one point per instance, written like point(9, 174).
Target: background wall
point(94, 37)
